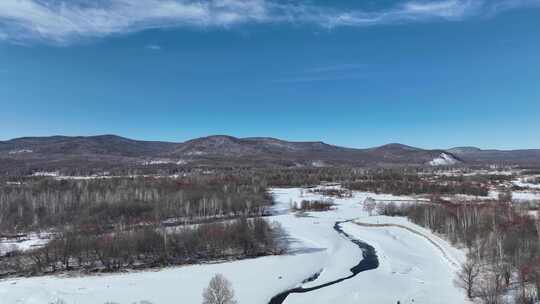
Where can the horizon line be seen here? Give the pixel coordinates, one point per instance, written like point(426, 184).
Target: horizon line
point(3, 140)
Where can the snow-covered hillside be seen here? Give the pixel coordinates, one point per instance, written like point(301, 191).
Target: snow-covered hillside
point(411, 267)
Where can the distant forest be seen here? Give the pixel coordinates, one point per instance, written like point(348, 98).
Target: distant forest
point(41, 203)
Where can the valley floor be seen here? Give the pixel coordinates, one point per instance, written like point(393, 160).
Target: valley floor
point(415, 266)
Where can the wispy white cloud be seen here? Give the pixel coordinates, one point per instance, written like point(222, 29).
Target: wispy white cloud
point(153, 47)
point(63, 21)
point(343, 71)
point(316, 78)
point(337, 68)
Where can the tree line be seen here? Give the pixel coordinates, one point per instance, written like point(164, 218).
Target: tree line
point(149, 246)
point(404, 183)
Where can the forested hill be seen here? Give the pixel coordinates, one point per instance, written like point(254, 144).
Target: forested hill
point(31, 154)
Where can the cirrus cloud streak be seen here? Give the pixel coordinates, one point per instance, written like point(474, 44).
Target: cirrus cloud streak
point(62, 22)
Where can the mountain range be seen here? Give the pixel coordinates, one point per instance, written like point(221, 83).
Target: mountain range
point(48, 153)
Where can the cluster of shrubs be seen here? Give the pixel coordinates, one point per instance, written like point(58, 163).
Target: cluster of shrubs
point(333, 192)
point(313, 205)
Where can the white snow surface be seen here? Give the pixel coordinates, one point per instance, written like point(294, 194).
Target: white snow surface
point(21, 151)
point(523, 182)
point(444, 160)
point(157, 162)
point(318, 164)
point(411, 266)
point(164, 162)
point(518, 196)
point(28, 242)
point(45, 173)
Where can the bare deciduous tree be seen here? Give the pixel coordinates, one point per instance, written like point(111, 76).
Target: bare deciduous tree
point(219, 291)
point(369, 205)
point(467, 276)
point(489, 290)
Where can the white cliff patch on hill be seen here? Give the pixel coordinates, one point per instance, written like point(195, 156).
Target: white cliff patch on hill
point(444, 160)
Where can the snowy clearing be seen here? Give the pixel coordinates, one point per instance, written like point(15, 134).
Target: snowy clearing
point(517, 196)
point(23, 243)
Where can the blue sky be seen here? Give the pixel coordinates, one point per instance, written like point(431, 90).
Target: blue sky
point(438, 73)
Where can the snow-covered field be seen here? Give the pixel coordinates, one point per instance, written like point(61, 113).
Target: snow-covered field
point(411, 267)
point(24, 243)
point(519, 196)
